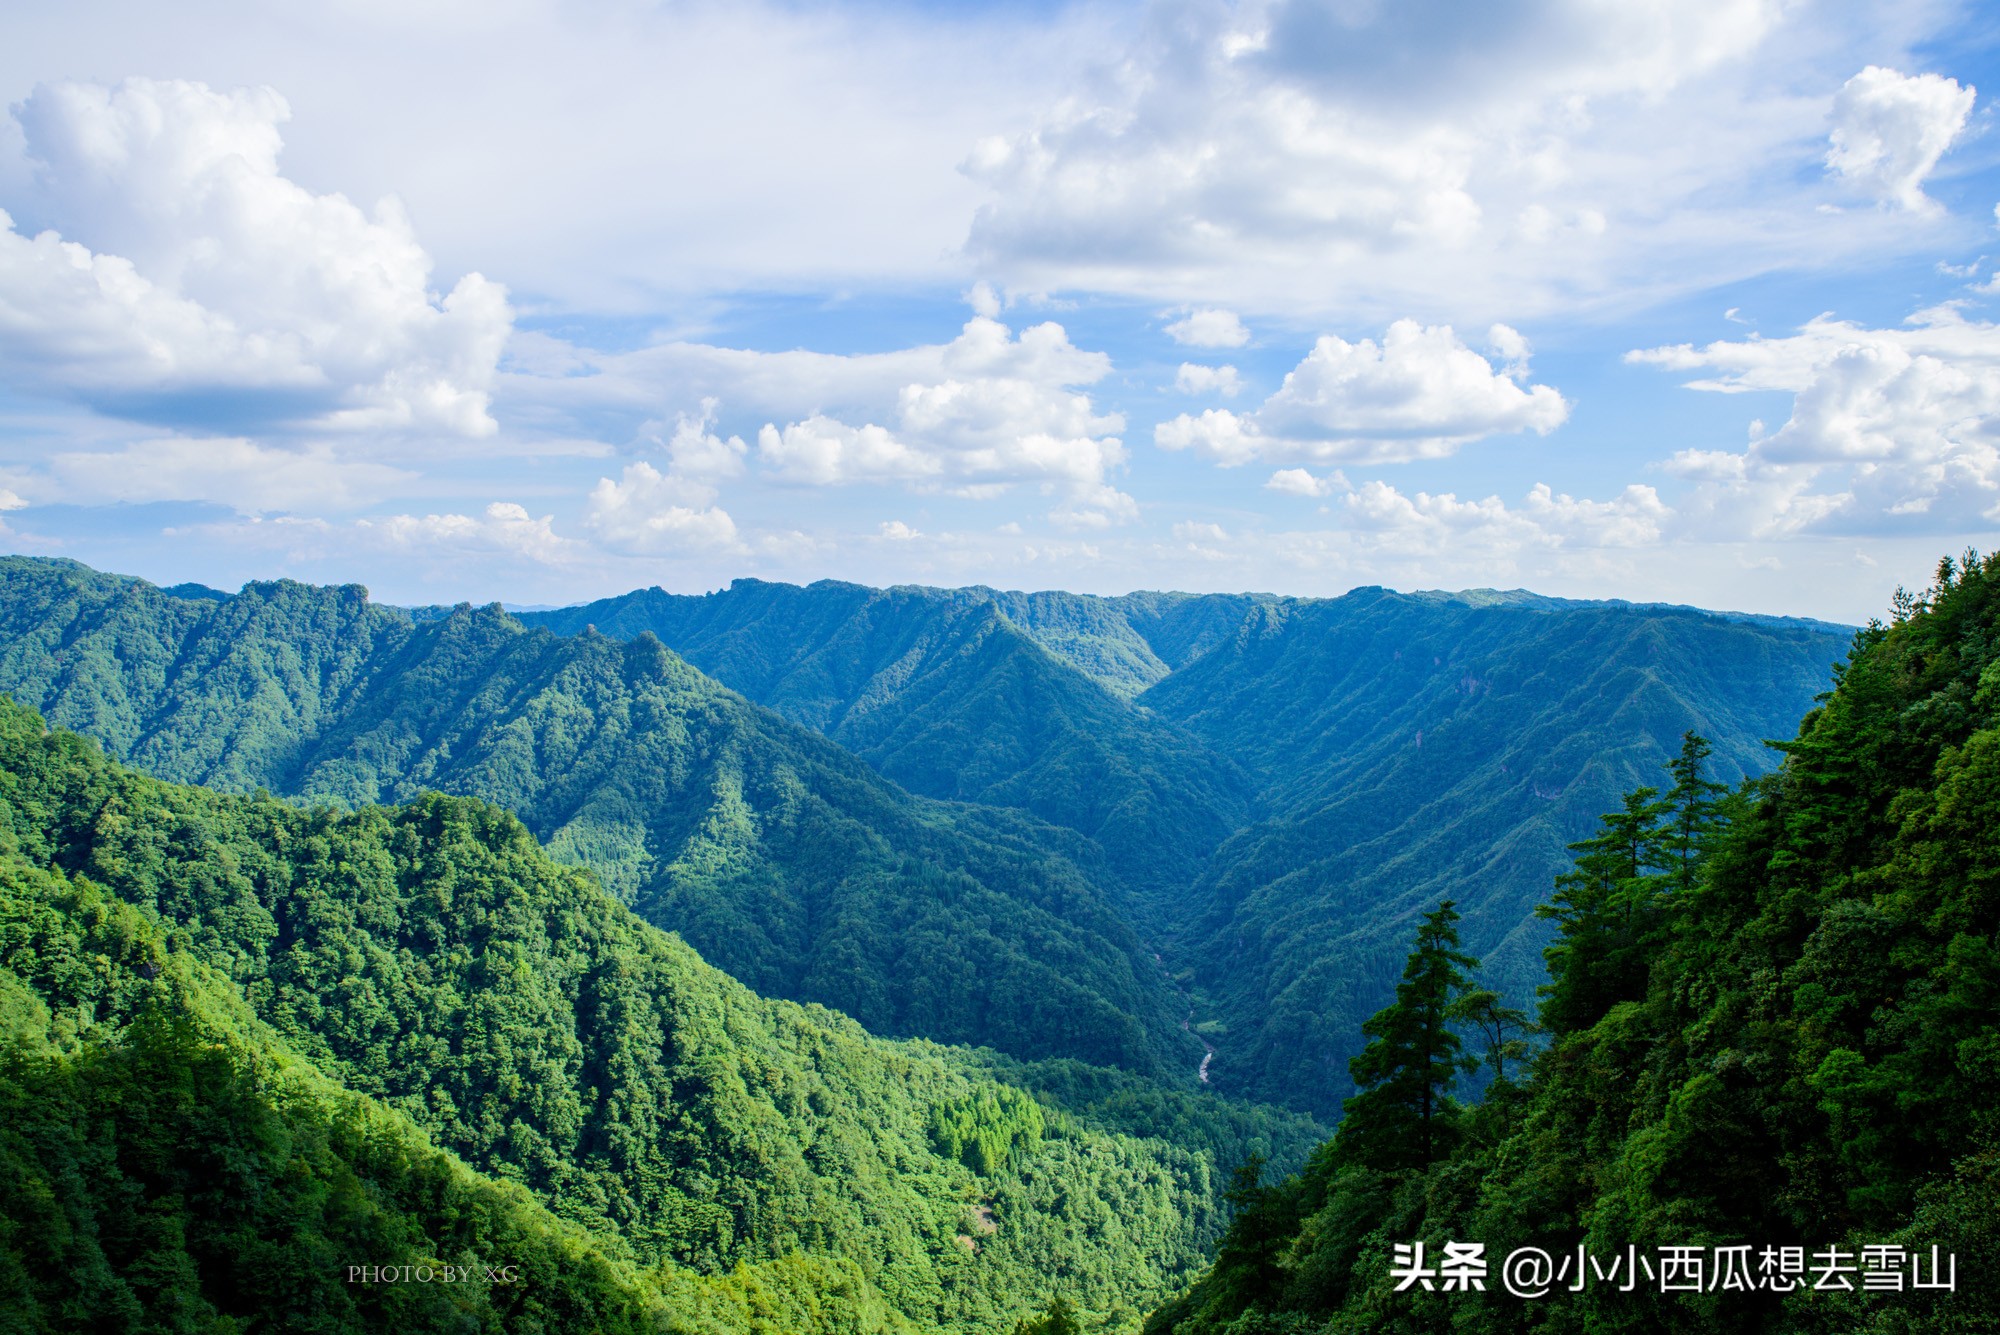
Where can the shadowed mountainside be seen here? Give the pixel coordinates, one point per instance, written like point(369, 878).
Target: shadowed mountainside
point(1421, 747)
point(785, 860)
point(1013, 700)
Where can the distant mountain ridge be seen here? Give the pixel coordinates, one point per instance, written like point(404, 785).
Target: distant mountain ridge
point(782, 858)
point(1013, 700)
point(1773, 1013)
point(1261, 789)
point(1526, 598)
point(1411, 749)
point(1537, 711)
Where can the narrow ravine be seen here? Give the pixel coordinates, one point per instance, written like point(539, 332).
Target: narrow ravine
point(1187, 1022)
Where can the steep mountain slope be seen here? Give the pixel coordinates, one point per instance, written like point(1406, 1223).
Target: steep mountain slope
point(1401, 749)
point(1178, 628)
point(782, 858)
point(431, 958)
point(1015, 700)
point(1421, 747)
point(166, 1163)
point(1797, 1046)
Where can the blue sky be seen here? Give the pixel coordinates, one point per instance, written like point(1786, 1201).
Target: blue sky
point(1692, 301)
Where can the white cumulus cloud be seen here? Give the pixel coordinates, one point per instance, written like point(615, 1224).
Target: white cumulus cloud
point(1543, 519)
point(1298, 482)
point(1452, 159)
point(186, 281)
point(989, 410)
point(697, 452)
point(1209, 328)
point(826, 452)
point(1194, 378)
point(1420, 393)
point(505, 528)
point(1890, 129)
point(1888, 428)
point(651, 512)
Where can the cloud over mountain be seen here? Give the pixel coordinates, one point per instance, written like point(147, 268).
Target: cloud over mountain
point(1889, 428)
point(1420, 393)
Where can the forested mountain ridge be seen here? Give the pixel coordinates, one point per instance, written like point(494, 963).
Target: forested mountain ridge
point(431, 957)
point(785, 860)
point(1773, 1022)
point(1014, 700)
point(167, 1162)
point(1419, 747)
point(1395, 748)
point(1123, 643)
point(1385, 750)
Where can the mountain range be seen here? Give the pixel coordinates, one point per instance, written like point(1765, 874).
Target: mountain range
point(1765, 1091)
point(1116, 830)
point(1354, 759)
point(781, 958)
point(249, 1050)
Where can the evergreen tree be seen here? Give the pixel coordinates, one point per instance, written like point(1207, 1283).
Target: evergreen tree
point(1692, 812)
point(1400, 1118)
point(1601, 910)
point(1059, 1318)
point(1504, 1030)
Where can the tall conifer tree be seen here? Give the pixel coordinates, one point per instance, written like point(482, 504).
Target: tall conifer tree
point(1401, 1117)
point(1691, 812)
point(1601, 911)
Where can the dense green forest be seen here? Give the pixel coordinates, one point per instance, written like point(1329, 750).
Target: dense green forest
point(1771, 1019)
point(1357, 758)
point(782, 858)
point(165, 1164)
point(251, 1044)
point(1013, 700)
point(1098, 836)
point(1420, 747)
point(1378, 750)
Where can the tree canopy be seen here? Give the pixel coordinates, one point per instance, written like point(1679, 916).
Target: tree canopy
point(1773, 1020)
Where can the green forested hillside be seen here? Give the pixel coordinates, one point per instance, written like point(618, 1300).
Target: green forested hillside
point(1016, 700)
point(1382, 750)
point(703, 1156)
point(782, 858)
point(165, 1164)
point(1420, 747)
point(1773, 1020)
point(1397, 747)
point(430, 958)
